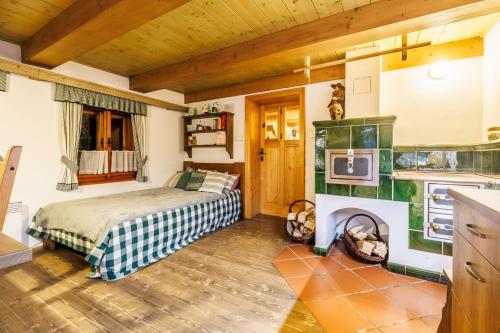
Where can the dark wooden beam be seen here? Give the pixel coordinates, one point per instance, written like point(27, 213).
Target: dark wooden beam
point(267, 84)
point(87, 24)
point(382, 19)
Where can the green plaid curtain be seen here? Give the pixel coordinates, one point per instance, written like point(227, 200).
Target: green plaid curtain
point(3, 81)
point(99, 100)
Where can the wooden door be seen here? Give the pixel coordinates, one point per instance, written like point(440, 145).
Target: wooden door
point(282, 157)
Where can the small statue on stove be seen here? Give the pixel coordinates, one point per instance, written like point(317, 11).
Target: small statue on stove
point(337, 104)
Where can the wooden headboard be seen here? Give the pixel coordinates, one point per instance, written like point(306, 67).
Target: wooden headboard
point(233, 168)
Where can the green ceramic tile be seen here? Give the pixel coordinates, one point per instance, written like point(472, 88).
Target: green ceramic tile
point(417, 242)
point(495, 162)
point(320, 143)
point(405, 160)
point(396, 268)
point(486, 162)
point(430, 160)
point(337, 189)
point(423, 274)
point(338, 137)
point(320, 185)
point(385, 161)
point(477, 162)
point(362, 191)
point(487, 146)
point(416, 216)
point(447, 249)
point(319, 251)
point(364, 137)
point(341, 122)
point(385, 136)
point(459, 161)
point(409, 191)
point(385, 188)
point(380, 120)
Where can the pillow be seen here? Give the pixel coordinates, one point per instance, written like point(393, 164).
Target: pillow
point(184, 178)
point(214, 182)
point(232, 182)
point(195, 181)
point(173, 181)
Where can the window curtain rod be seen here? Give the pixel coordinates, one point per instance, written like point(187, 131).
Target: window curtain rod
point(41, 74)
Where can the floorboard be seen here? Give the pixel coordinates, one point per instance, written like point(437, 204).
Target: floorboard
point(224, 282)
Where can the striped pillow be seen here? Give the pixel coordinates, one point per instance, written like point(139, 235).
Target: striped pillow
point(214, 182)
point(232, 182)
point(195, 181)
point(173, 181)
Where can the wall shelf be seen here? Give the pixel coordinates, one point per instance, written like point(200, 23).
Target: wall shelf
point(228, 130)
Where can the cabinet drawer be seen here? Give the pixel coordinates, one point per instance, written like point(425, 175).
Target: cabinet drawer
point(459, 321)
point(479, 230)
point(477, 298)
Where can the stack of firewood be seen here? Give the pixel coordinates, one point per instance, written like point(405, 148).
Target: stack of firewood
point(303, 223)
point(367, 242)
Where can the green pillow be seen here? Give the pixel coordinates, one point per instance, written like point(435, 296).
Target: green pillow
point(184, 179)
point(195, 181)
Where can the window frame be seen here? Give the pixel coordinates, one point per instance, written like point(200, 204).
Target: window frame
point(104, 118)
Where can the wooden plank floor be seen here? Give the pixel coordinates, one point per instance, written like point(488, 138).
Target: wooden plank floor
point(224, 282)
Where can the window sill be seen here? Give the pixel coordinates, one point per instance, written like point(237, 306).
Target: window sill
point(106, 178)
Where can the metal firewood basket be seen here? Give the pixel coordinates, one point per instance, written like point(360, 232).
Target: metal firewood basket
point(307, 239)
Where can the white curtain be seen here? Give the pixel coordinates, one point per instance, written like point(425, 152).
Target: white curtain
point(139, 132)
point(123, 161)
point(93, 162)
point(71, 125)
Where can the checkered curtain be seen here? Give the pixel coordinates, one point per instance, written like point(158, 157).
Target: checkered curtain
point(139, 132)
point(3, 81)
point(71, 125)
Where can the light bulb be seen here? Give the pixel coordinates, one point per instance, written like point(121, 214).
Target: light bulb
point(439, 70)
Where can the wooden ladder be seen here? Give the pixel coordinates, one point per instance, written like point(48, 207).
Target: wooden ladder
point(12, 252)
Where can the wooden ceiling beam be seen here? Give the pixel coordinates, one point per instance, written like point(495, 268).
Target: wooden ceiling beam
point(267, 84)
point(87, 24)
point(385, 18)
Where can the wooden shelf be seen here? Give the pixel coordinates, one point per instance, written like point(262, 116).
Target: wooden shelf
point(207, 115)
point(206, 131)
point(228, 130)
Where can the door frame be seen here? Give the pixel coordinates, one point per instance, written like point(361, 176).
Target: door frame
point(252, 137)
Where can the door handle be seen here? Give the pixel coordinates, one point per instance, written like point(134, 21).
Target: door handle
point(473, 231)
point(261, 154)
point(472, 272)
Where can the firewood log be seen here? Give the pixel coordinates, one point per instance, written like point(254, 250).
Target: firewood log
point(292, 217)
point(360, 236)
point(355, 230)
point(365, 247)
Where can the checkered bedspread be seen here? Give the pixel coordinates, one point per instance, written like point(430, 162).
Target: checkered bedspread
point(134, 244)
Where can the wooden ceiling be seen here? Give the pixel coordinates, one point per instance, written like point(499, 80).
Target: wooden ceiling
point(20, 19)
point(177, 34)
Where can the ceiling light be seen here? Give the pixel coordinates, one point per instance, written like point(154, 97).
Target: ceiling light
point(439, 70)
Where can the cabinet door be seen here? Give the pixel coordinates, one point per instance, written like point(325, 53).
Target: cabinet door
point(459, 321)
point(477, 286)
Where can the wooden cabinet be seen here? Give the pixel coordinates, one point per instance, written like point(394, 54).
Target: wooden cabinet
point(476, 277)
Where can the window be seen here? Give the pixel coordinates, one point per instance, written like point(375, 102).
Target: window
point(106, 149)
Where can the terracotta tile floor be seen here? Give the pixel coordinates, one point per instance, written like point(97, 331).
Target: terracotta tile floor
point(348, 296)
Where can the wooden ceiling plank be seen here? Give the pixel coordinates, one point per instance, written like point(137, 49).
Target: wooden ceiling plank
point(87, 24)
point(41, 74)
point(302, 10)
point(364, 24)
point(252, 15)
point(326, 8)
point(277, 12)
point(267, 84)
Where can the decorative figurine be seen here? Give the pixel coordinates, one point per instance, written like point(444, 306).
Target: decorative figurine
point(337, 104)
point(205, 108)
point(216, 107)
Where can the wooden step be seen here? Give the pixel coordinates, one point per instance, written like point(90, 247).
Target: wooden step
point(13, 252)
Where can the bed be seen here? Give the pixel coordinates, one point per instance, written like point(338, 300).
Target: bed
point(132, 230)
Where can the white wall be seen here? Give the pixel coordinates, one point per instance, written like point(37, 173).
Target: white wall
point(362, 85)
point(491, 79)
point(29, 117)
point(446, 111)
